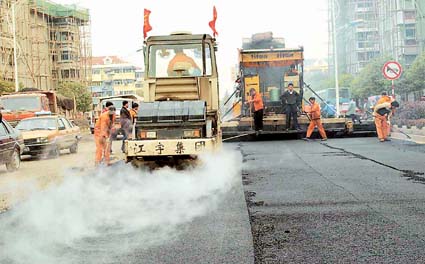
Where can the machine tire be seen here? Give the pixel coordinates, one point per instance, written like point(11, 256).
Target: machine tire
point(15, 161)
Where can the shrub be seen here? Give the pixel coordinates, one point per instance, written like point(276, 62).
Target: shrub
point(410, 114)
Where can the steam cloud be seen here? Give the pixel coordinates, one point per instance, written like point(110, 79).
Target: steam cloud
point(113, 211)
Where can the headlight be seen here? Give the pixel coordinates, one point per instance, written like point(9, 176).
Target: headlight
point(192, 133)
point(42, 140)
point(148, 134)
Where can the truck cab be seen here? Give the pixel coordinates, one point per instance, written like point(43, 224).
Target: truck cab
point(24, 105)
point(179, 117)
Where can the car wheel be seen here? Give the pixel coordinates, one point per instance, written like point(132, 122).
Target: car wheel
point(54, 153)
point(74, 148)
point(15, 161)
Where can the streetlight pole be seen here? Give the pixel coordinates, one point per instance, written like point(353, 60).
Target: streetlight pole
point(15, 53)
point(335, 59)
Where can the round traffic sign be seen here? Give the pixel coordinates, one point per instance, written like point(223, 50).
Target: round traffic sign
point(392, 70)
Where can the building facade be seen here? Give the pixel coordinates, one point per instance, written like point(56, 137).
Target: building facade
point(52, 43)
point(113, 76)
point(366, 29)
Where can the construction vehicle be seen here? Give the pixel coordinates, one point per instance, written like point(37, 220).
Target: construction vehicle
point(179, 118)
point(31, 102)
point(266, 65)
point(117, 100)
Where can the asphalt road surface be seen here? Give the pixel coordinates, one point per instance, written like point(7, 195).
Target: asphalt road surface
point(342, 201)
point(66, 211)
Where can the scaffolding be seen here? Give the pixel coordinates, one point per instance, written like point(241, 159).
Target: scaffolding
point(53, 43)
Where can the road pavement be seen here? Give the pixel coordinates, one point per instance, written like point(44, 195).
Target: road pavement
point(66, 211)
point(342, 201)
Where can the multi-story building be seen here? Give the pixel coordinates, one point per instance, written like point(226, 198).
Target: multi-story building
point(402, 29)
point(366, 29)
point(113, 76)
point(357, 33)
point(52, 43)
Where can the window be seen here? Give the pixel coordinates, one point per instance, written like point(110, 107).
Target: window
point(179, 60)
point(3, 131)
point(410, 33)
point(61, 124)
point(66, 122)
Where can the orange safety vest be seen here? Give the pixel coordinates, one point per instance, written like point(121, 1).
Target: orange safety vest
point(103, 125)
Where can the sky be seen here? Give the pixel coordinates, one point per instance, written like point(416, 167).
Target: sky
point(117, 26)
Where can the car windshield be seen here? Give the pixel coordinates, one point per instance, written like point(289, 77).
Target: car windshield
point(178, 60)
point(37, 124)
point(21, 103)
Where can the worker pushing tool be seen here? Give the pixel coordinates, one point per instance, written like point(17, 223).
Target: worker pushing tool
point(382, 113)
point(314, 115)
point(102, 136)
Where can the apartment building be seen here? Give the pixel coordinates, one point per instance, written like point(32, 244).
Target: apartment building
point(366, 29)
point(52, 43)
point(114, 76)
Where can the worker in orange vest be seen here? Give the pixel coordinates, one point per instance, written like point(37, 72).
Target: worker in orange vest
point(102, 136)
point(314, 115)
point(257, 101)
point(385, 99)
point(382, 113)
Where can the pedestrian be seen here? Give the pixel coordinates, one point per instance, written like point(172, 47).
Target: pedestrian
point(290, 101)
point(351, 111)
point(314, 116)
point(105, 109)
point(126, 123)
point(382, 113)
point(257, 101)
point(102, 136)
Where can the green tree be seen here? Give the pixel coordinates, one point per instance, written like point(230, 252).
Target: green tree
point(6, 86)
point(413, 80)
point(79, 92)
point(370, 80)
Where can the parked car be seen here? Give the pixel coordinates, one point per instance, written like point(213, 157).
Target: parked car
point(11, 145)
point(47, 135)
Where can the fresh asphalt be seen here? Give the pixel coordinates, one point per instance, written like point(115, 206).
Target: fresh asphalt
point(350, 200)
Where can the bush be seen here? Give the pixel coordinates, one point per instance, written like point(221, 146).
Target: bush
point(410, 114)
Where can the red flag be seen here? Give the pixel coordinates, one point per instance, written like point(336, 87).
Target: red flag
point(146, 26)
point(212, 22)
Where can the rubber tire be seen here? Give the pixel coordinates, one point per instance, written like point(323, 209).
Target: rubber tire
point(74, 148)
point(55, 153)
point(15, 161)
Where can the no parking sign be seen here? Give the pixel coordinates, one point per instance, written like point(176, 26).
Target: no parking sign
point(392, 70)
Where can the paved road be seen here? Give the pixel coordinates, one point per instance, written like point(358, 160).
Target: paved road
point(68, 212)
point(344, 201)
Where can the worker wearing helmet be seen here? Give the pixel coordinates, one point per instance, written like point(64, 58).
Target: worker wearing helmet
point(314, 115)
point(102, 136)
point(382, 113)
point(257, 101)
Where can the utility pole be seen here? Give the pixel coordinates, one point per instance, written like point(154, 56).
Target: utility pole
point(15, 53)
point(335, 58)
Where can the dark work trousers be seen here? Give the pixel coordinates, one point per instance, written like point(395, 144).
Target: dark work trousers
point(355, 117)
point(258, 120)
point(291, 112)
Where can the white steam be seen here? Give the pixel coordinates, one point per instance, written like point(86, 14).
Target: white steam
point(113, 211)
